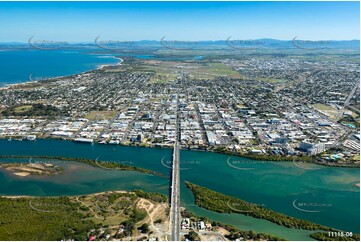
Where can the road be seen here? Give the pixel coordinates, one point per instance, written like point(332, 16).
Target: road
point(347, 101)
point(131, 124)
point(175, 187)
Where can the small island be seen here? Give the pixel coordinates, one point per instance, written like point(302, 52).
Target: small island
point(26, 169)
point(94, 163)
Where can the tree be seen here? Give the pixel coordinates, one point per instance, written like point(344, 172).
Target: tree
point(144, 228)
point(192, 236)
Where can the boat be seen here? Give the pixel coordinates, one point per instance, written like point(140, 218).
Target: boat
point(30, 137)
point(83, 140)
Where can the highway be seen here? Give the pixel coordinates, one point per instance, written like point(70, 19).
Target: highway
point(348, 99)
point(175, 187)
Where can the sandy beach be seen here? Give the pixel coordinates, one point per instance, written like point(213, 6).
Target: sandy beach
point(118, 64)
point(90, 194)
point(21, 173)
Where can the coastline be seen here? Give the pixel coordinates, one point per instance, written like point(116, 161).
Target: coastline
point(267, 158)
point(6, 86)
point(90, 194)
point(100, 67)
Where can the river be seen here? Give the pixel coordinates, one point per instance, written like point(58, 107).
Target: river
point(324, 195)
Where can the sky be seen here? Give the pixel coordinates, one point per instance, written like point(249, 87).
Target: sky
point(84, 21)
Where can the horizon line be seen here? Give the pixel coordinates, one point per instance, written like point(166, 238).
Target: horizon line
point(188, 40)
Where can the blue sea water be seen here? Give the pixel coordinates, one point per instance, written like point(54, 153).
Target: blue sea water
point(18, 66)
point(23, 65)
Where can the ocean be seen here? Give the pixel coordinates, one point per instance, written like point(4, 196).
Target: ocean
point(31, 65)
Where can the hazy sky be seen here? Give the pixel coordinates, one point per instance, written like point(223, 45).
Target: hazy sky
point(84, 21)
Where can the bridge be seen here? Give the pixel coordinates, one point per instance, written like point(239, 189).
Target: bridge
point(175, 185)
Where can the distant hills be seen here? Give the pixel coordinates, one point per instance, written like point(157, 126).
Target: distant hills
point(229, 43)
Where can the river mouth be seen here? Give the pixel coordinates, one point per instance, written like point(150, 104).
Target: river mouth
point(275, 184)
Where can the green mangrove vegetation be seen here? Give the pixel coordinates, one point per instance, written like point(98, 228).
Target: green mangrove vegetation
point(221, 203)
point(94, 163)
point(73, 217)
point(42, 219)
point(271, 157)
point(234, 233)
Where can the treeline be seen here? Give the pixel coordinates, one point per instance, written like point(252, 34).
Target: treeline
point(325, 236)
point(153, 196)
point(234, 232)
point(246, 235)
point(221, 203)
point(267, 157)
point(20, 219)
point(136, 215)
point(95, 163)
point(192, 236)
point(308, 159)
point(63, 218)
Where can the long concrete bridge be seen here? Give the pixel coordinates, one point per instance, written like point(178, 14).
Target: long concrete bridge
point(175, 217)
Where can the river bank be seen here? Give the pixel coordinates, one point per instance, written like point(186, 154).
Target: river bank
point(274, 184)
point(263, 157)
